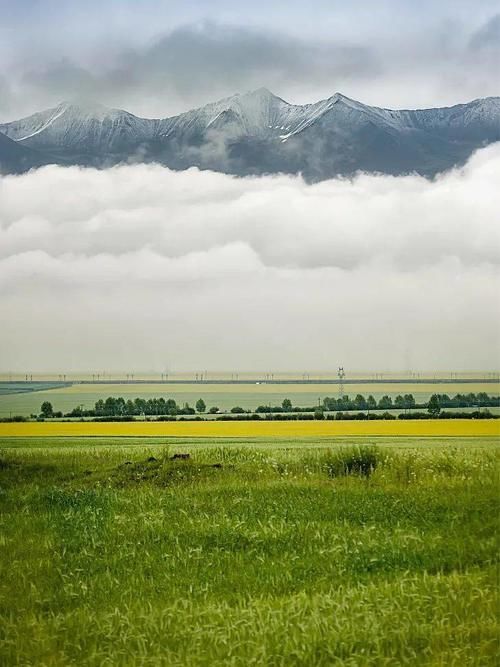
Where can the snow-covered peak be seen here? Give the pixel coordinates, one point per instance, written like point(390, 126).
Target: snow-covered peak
point(257, 112)
point(84, 125)
point(61, 118)
point(260, 94)
point(487, 107)
point(85, 109)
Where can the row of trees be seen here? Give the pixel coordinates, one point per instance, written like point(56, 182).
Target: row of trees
point(151, 406)
point(118, 407)
point(406, 402)
point(480, 400)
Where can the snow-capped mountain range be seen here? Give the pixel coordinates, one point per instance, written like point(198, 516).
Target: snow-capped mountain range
point(257, 133)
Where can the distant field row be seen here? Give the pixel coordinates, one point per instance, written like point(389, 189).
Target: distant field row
point(224, 396)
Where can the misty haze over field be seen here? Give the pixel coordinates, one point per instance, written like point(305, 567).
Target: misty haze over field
point(138, 266)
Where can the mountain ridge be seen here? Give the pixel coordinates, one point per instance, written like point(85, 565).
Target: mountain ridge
point(258, 132)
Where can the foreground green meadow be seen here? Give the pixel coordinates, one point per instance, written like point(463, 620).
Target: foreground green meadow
point(251, 552)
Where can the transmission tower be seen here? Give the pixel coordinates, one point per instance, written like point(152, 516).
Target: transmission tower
point(341, 376)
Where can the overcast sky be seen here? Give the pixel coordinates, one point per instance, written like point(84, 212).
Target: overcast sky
point(141, 268)
point(158, 58)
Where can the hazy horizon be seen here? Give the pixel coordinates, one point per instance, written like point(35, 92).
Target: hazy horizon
point(235, 374)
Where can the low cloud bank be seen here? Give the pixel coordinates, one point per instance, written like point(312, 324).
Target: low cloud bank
point(141, 267)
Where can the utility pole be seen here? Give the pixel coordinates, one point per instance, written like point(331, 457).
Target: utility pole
point(341, 376)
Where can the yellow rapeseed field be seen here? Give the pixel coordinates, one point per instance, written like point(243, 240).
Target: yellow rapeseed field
point(263, 429)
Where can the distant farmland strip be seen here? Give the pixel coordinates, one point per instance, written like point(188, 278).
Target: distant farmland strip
point(28, 387)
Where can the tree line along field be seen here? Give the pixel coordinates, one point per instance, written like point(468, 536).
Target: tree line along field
point(224, 396)
point(294, 552)
point(114, 406)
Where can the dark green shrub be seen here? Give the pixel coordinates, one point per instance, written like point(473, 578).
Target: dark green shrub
point(358, 461)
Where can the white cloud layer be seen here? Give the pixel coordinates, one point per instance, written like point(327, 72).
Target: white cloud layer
point(139, 267)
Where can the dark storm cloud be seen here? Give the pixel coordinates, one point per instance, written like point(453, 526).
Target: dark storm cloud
point(201, 56)
point(64, 79)
point(196, 64)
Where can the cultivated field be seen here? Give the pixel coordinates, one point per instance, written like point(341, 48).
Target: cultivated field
point(224, 396)
point(329, 551)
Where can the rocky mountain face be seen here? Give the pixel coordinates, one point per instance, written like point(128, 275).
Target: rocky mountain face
point(259, 133)
point(16, 158)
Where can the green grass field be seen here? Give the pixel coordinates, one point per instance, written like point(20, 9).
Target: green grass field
point(224, 396)
point(379, 552)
